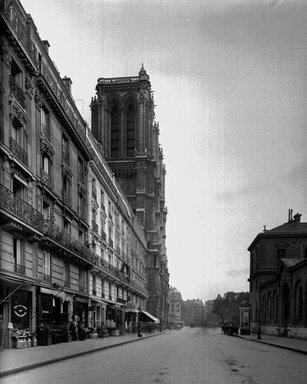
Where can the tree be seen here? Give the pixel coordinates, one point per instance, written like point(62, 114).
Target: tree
point(227, 307)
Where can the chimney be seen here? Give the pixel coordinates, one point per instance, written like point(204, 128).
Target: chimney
point(290, 213)
point(46, 45)
point(297, 217)
point(67, 82)
point(264, 228)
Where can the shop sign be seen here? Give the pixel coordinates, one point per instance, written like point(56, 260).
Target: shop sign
point(20, 310)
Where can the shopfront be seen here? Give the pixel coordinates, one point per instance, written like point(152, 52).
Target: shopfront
point(16, 313)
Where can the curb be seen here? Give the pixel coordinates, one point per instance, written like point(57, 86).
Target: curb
point(276, 345)
point(14, 371)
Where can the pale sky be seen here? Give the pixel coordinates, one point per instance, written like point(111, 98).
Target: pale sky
point(230, 86)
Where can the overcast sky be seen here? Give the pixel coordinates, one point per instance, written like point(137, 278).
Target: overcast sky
point(230, 86)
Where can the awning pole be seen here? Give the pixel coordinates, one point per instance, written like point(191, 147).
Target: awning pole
point(12, 293)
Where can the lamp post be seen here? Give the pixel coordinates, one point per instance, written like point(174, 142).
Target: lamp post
point(139, 323)
point(259, 327)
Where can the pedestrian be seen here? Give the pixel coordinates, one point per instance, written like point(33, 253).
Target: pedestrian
point(73, 329)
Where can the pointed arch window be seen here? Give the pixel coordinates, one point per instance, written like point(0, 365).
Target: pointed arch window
point(115, 132)
point(130, 131)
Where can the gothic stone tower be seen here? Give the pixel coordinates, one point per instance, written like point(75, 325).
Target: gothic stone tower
point(123, 122)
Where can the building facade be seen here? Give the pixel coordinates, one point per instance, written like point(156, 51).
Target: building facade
point(278, 280)
point(123, 123)
point(194, 312)
point(175, 315)
point(71, 247)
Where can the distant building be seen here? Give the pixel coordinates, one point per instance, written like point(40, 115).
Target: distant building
point(175, 315)
point(278, 279)
point(194, 312)
point(208, 309)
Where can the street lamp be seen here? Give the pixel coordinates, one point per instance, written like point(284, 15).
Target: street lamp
point(259, 327)
point(139, 325)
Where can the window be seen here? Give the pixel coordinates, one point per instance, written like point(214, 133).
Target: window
point(102, 199)
point(81, 236)
point(281, 253)
point(46, 265)
point(19, 189)
point(46, 210)
point(66, 226)
point(66, 189)
point(82, 280)
point(115, 132)
point(65, 151)
point(94, 285)
point(45, 127)
point(131, 131)
point(81, 171)
point(17, 254)
point(66, 274)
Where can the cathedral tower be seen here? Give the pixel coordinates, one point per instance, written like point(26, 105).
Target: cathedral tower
point(123, 122)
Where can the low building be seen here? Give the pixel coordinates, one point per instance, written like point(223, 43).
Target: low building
point(278, 279)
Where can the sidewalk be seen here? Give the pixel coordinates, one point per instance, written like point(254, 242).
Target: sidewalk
point(295, 345)
point(17, 360)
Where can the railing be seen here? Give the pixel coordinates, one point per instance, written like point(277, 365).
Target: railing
point(82, 288)
point(19, 208)
point(66, 158)
point(18, 93)
point(18, 151)
point(46, 132)
point(103, 235)
point(111, 243)
point(94, 292)
point(47, 179)
point(20, 269)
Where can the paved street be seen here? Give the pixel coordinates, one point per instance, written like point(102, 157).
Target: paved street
point(192, 355)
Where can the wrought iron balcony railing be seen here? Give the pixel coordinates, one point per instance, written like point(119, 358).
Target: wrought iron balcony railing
point(47, 179)
point(66, 158)
point(19, 208)
point(46, 132)
point(18, 92)
point(18, 151)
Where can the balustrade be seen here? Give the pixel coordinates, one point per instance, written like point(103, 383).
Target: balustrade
point(18, 151)
point(18, 93)
point(20, 269)
point(19, 208)
point(47, 179)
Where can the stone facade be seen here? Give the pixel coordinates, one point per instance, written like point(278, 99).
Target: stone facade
point(194, 312)
point(175, 315)
point(278, 280)
point(70, 244)
point(123, 123)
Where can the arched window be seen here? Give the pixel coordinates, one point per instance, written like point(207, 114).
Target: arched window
point(115, 132)
point(130, 131)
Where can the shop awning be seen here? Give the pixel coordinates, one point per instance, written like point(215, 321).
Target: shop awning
point(151, 317)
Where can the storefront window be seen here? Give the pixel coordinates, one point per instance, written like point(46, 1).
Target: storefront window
point(21, 309)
